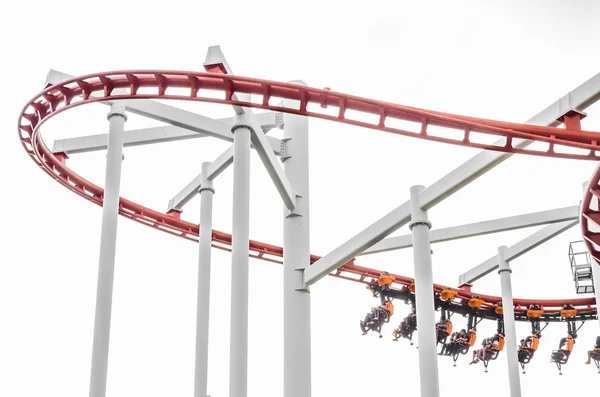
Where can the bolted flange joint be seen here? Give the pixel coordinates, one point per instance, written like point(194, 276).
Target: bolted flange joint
point(505, 270)
point(117, 110)
point(421, 222)
point(241, 125)
point(202, 188)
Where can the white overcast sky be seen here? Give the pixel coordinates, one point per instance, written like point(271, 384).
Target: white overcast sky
point(501, 60)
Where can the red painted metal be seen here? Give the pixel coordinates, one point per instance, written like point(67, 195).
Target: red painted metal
point(77, 91)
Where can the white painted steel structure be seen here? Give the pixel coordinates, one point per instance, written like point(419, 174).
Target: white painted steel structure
point(238, 355)
point(206, 193)
point(510, 328)
point(247, 131)
point(579, 99)
point(480, 228)
point(424, 302)
point(296, 258)
point(108, 247)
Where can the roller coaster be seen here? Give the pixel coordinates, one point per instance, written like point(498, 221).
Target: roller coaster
point(139, 92)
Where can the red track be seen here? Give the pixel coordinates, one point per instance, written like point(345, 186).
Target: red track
point(79, 90)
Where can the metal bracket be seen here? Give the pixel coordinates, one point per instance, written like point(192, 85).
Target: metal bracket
point(279, 120)
point(283, 156)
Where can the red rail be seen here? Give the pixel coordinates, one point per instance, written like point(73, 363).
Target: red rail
point(102, 86)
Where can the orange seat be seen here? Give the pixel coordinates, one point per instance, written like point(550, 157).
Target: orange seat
point(448, 327)
point(534, 342)
point(570, 343)
point(472, 338)
point(411, 287)
point(389, 307)
point(500, 342)
point(499, 310)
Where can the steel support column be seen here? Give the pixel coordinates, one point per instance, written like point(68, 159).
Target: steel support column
point(509, 324)
point(296, 257)
point(428, 366)
point(108, 243)
point(238, 358)
point(596, 277)
point(206, 192)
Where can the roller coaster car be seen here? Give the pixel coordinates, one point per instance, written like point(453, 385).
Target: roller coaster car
point(443, 331)
point(492, 353)
point(406, 328)
point(377, 323)
point(457, 349)
point(525, 353)
point(561, 356)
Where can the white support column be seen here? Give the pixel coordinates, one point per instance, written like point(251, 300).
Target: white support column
point(206, 192)
point(296, 257)
point(509, 324)
point(596, 277)
point(428, 366)
point(108, 243)
point(238, 359)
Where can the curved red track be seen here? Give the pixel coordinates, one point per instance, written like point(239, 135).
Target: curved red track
point(77, 91)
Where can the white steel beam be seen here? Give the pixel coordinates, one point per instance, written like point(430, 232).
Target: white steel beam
point(274, 169)
point(580, 98)
point(189, 191)
point(480, 228)
point(143, 136)
point(171, 115)
point(522, 247)
point(148, 136)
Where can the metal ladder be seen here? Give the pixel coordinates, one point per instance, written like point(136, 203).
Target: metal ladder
point(581, 268)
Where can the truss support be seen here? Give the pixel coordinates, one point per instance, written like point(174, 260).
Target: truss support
point(522, 247)
point(153, 135)
point(514, 379)
point(428, 366)
point(274, 169)
point(480, 228)
point(108, 245)
point(578, 99)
